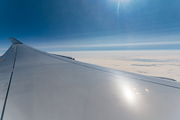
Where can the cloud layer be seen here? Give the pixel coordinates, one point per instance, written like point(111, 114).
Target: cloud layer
point(152, 63)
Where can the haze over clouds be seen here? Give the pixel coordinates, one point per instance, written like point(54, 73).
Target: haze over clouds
point(159, 63)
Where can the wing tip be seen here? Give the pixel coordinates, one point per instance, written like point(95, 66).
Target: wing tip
point(15, 41)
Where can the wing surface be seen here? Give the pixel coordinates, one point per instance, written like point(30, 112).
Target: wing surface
point(6, 67)
point(51, 87)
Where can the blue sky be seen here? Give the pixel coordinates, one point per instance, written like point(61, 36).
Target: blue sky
point(75, 24)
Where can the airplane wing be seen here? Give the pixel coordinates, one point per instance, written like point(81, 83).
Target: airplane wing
point(36, 85)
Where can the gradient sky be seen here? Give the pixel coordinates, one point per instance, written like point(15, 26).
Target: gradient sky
point(74, 24)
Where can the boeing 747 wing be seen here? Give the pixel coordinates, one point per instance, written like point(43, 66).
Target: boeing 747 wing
point(36, 85)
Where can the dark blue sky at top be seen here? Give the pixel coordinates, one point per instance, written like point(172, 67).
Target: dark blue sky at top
point(37, 21)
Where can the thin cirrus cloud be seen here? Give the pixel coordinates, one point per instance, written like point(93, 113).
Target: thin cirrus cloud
point(108, 45)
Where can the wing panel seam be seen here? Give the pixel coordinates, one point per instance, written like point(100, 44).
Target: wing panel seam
point(7, 93)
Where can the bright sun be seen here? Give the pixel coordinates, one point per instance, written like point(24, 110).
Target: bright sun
point(120, 0)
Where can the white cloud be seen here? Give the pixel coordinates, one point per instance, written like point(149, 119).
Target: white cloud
point(165, 63)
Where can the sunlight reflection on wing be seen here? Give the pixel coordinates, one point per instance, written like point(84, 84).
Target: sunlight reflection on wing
point(125, 90)
point(129, 94)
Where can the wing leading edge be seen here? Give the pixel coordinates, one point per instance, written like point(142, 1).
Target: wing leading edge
point(46, 86)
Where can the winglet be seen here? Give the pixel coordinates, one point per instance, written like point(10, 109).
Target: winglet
point(15, 41)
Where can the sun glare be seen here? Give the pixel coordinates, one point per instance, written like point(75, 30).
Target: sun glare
point(129, 94)
point(120, 0)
